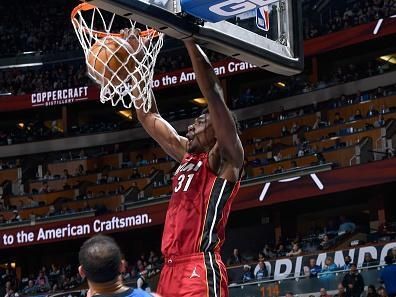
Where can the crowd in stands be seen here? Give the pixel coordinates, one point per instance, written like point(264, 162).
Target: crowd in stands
point(58, 278)
point(343, 14)
point(265, 151)
point(20, 81)
point(300, 84)
point(48, 280)
point(34, 131)
point(41, 26)
point(304, 147)
point(46, 28)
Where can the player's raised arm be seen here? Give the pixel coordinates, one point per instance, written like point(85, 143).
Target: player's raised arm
point(226, 133)
point(162, 132)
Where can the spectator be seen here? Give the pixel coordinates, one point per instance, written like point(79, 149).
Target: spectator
point(294, 128)
point(281, 251)
point(382, 292)
point(358, 115)
point(80, 170)
point(235, 259)
point(262, 272)
point(47, 175)
point(140, 161)
point(258, 148)
point(135, 174)
point(371, 291)
point(329, 266)
point(278, 157)
point(393, 255)
point(42, 283)
point(15, 216)
point(296, 251)
point(340, 291)
point(261, 258)
point(141, 282)
point(30, 288)
point(323, 293)
point(347, 265)
point(338, 119)
point(346, 226)
point(388, 276)
point(284, 131)
point(267, 252)
point(317, 123)
point(314, 269)
point(325, 243)
point(368, 260)
point(66, 174)
point(31, 202)
point(247, 274)
point(353, 282)
point(45, 188)
point(372, 111)
point(379, 122)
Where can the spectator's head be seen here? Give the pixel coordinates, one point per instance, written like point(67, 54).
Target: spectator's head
point(100, 259)
point(236, 252)
point(261, 265)
point(329, 261)
point(296, 247)
point(30, 283)
point(312, 262)
point(341, 289)
point(323, 292)
point(347, 260)
point(289, 294)
point(261, 256)
point(388, 260)
point(371, 289)
point(382, 292)
point(368, 258)
point(353, 268)
point(246, 268)
point(358, 112)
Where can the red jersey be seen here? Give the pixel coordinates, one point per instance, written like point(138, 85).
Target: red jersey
point(198, 209)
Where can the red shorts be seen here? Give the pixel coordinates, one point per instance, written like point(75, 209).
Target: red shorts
point(195, 275)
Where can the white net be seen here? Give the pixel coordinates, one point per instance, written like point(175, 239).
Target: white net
point(121, 63)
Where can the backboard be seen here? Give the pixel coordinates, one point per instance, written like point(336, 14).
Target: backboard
point(266, 33)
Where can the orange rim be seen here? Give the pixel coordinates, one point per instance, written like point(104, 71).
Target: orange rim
point(87, 6)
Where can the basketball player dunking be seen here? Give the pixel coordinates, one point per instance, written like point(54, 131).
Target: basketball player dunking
point(204, 186)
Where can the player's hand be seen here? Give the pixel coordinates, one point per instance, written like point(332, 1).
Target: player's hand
point(132, 36)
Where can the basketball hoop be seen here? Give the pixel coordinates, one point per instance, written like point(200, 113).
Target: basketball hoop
point(123, 79)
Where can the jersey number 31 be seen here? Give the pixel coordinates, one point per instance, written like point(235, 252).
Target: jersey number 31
point(180, 182)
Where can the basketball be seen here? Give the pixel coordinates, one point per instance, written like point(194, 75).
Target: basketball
point(109, 60)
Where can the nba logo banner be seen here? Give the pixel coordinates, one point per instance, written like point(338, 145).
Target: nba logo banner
point(263, 18)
